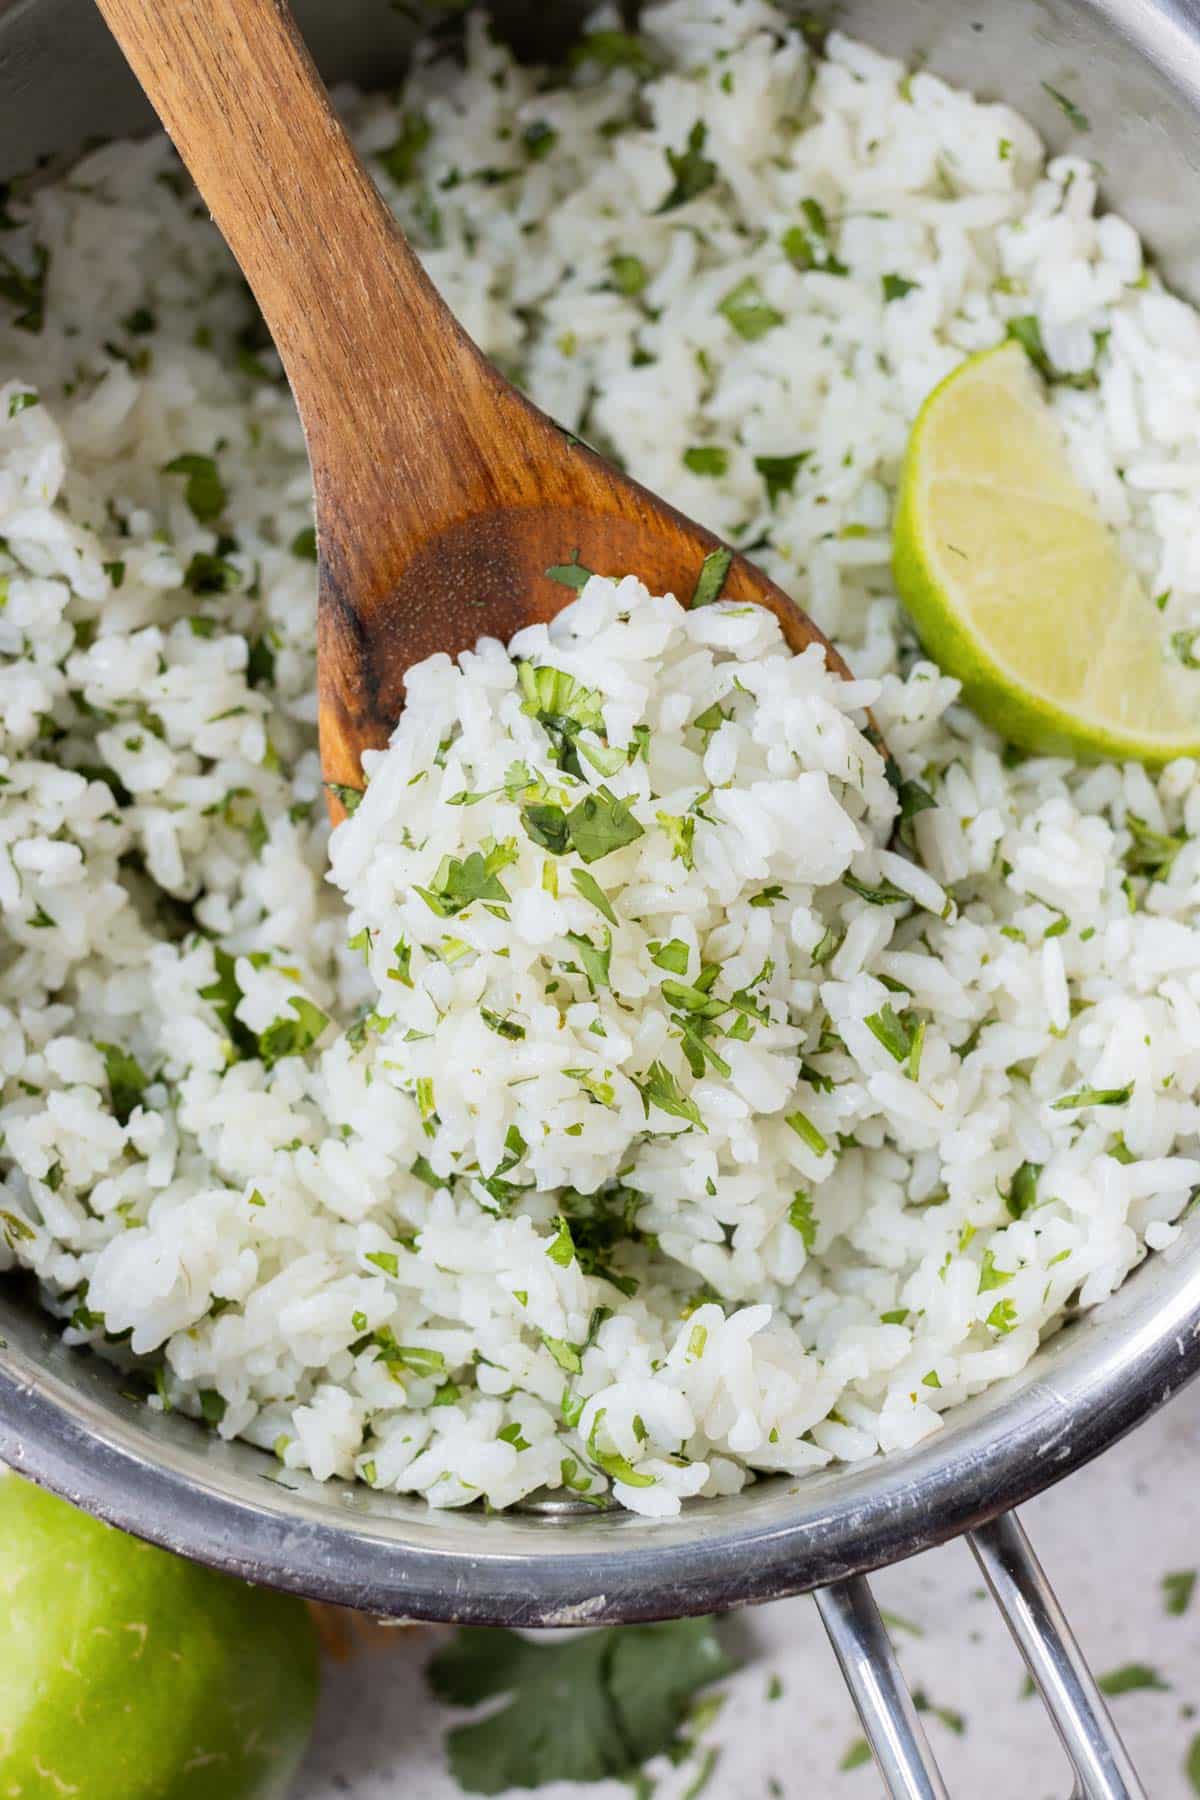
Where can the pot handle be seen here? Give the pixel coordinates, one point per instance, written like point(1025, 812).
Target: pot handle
point(1019, 1587)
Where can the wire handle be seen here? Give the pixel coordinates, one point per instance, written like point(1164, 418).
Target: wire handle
point(1055, 1662)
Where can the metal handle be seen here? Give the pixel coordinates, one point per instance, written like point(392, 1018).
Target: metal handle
point(1019, 1587)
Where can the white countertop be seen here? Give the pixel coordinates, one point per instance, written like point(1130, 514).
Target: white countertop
point(1106, 1536)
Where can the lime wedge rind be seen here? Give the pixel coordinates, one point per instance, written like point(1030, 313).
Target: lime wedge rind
point(1057, 645)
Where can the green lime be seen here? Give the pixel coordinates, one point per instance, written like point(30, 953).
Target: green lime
point(1018, 587)
point(130, 1674)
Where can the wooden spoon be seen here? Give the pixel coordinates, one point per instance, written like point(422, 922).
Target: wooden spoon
point(442, 495)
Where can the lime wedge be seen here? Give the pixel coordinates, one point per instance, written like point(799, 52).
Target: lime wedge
point(1017, 586)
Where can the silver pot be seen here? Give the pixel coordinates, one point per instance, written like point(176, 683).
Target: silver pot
point(1134, 68)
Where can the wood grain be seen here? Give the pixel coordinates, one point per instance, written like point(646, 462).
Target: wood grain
point(442, 496)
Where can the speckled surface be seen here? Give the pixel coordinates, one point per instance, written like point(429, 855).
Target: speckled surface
point(1107, 1537)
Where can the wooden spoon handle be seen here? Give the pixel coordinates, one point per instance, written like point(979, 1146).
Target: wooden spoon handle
point(238, 92)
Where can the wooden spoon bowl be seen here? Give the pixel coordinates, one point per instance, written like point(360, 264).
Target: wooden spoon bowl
point(442, 495)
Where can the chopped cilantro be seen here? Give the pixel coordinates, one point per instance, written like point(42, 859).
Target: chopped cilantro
point(539, 138)
point(26, 289)
point(595, 1706)
point(913, 799)
point(1002, 1317)
point(990, 1276)
point(748, 312)
point(387, 1260)
point(1129, 1678)
point(459, 881)
point(857, 1752)
point(658, 1087)
point(780, 472)
point(706, 459)
point(711, 578)
point(672, 956)
point(1093, 1097)
point(629, 274)
point(564, 709)
point(1022, 1193)
point(1027, 332)
point(895, 287)
point(304, 544)
point(209, 574)
point(901, 1041)
point(126, 1081)
point(615, 50)
point(205, 492)
point(567, 1356)
point(886, 894)
point(212, 1406)
point(800, 1218)
point(693, 171)
point(569, 574)
point(292, 1037)
point(591, 891)
point(595, 958)
point(1152, 852)
point(681, 832)
point(21, 402)
point(807, 1132)
point(601, 824)
point(561, 1248)
point(1183, 644)
point(400, 158)
point(807, 246)
point(1177, 1589)
point(1074, 115)
point(502, 1025)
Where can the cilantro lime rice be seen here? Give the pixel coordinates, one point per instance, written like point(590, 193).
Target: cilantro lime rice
point(663, 1090)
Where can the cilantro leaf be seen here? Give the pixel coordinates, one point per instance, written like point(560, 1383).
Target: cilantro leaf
point(569, 574)
point(563, 707)
point(126, 1080)
point(601, 824)
point(658, 1087)
point(591, 1707)
point(750, 315)
point(895, 287)
point(800, 1218)
point(1074, 115)
point(1177, 1591)
point(706, 459)
point(1129, 1678)
point(591, 890)
point(692, 170)
point(1022, 1193)
point(629, 274)
point(223, 995)
point(1092, 1097)
point(400, 158)
point(205, 491)
point(292, 1037)
point(615, 50)
point(807, 246)
point(595, 958)
point(780, 472)
point(547, 826)
point(459, 881)
point(1027, 332)
point(711, 578)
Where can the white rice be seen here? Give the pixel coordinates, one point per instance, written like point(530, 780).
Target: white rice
point(249, 1230)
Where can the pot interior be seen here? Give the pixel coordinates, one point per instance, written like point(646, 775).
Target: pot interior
point(64, 1417)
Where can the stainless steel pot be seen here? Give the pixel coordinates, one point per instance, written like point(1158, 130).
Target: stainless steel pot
point(1134, 67)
